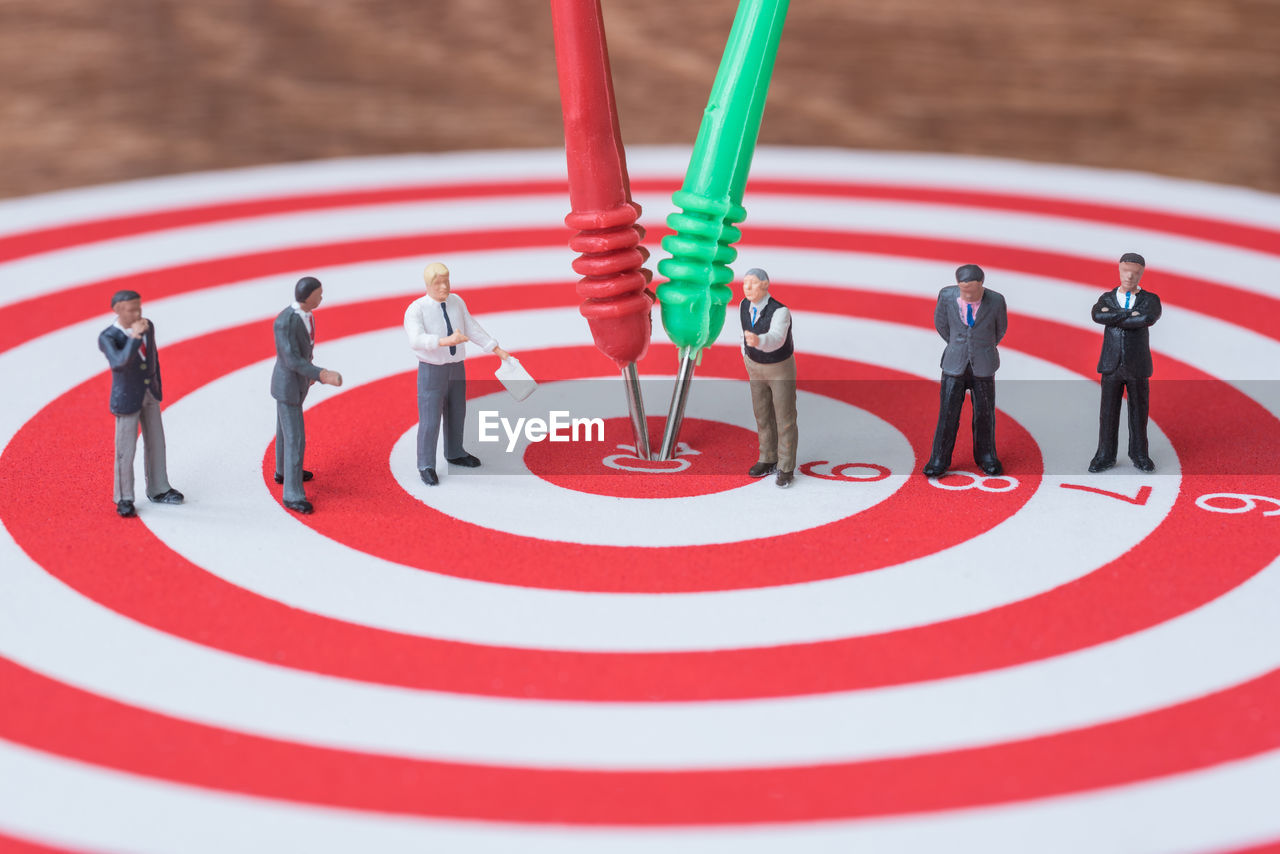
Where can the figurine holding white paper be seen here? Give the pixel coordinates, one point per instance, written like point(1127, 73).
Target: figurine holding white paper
point(439, 326)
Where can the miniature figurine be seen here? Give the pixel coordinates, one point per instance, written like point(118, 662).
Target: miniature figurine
point(769, 355)
point(1127, 312)
point(972, 319)
point(295, 334)
point(130, 347)
point(438, 326)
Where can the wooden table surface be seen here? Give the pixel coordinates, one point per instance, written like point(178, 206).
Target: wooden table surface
point(103, 92)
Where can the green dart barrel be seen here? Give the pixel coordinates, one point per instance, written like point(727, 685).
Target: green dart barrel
point(697, 291)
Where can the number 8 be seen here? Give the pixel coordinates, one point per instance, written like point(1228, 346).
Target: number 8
point(976, 481)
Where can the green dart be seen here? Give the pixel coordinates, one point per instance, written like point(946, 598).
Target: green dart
point(697, 292)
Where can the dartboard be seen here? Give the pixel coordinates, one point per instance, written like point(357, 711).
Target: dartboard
point(574, 649)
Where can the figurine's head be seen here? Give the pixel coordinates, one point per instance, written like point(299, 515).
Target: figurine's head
point(436, 275)
point(755, 284)
point(308, 292)
point(970, 278)
point(128, 307)
point(1132, 266)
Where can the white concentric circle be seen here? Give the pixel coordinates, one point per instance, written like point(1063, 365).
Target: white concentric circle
point(534, 507)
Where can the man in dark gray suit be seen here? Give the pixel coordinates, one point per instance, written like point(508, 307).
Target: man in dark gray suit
point(295, 332)
point(130, 347)
point(1126, 312)
point(972, 319)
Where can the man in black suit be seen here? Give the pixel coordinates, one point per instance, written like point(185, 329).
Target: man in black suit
point(295, 334)
point(130, 347)
point(972, 319)
point(1126, 313)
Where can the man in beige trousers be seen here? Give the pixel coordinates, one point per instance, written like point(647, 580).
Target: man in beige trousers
point(769, 355)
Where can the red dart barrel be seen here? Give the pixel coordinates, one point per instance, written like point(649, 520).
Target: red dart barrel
point(614, 288)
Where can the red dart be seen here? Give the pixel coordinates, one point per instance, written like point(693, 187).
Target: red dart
point(616, 300)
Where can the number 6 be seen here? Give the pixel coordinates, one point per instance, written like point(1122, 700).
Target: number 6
point(1247, 503)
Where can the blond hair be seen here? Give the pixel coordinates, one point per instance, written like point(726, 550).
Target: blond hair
point(435, 268)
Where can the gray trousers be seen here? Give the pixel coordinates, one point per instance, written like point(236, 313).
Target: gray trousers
point(773, 398)
point(442, 394)
point(154, 467)
point(291, 442)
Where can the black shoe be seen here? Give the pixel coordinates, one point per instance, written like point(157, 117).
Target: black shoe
point(306, 475)
point(1144, 464)
point(125, 509)
point(785, 478)
point(304, 507)
point(429, 477)
point(1098, 464)
point(466, 460)
point(761, 469)
point(935, 469)
point(171, 496)
point(991, 467)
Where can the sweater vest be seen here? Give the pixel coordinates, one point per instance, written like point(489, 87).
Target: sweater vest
point(761, 326)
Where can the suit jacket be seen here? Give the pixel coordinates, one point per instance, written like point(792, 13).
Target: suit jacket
point(965, 346)
point(131, 375)
point(293, 373)
point(1125, 340)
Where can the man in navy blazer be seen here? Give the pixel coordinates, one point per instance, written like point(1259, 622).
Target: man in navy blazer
point(130, 347)
point(295, 334)
point(972, 319)
point(1126, 312)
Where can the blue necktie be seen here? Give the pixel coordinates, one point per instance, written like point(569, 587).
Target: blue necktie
point(448, 328)
point(1126, 301)
point(968, 313)
point(753, 317)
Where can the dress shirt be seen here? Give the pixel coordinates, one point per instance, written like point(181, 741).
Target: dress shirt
point(1133, 300)
point(963, 304)
point(307, 319)
point(143, 338)
point(424, 324)
point(776, 335)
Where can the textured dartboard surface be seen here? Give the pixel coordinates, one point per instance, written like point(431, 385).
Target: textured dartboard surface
point(570, 650)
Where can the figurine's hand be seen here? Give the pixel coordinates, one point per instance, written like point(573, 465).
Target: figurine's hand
point(140, 327)
point(501, 354)
point(1104, 308)
point(1133, 313)
point(330, 377)
point(453, 340)
point(752, 339)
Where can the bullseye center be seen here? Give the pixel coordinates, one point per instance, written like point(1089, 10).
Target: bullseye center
point(711, 457)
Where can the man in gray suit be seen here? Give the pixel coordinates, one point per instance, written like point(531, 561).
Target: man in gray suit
point(971, 319)
point(130, 347)
point(295, 332)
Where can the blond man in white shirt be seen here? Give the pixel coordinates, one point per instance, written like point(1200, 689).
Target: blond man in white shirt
point(439, 327)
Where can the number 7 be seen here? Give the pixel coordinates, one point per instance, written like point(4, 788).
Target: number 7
point(1140, 499)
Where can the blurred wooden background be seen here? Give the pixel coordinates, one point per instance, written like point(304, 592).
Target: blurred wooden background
point(105, 90)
